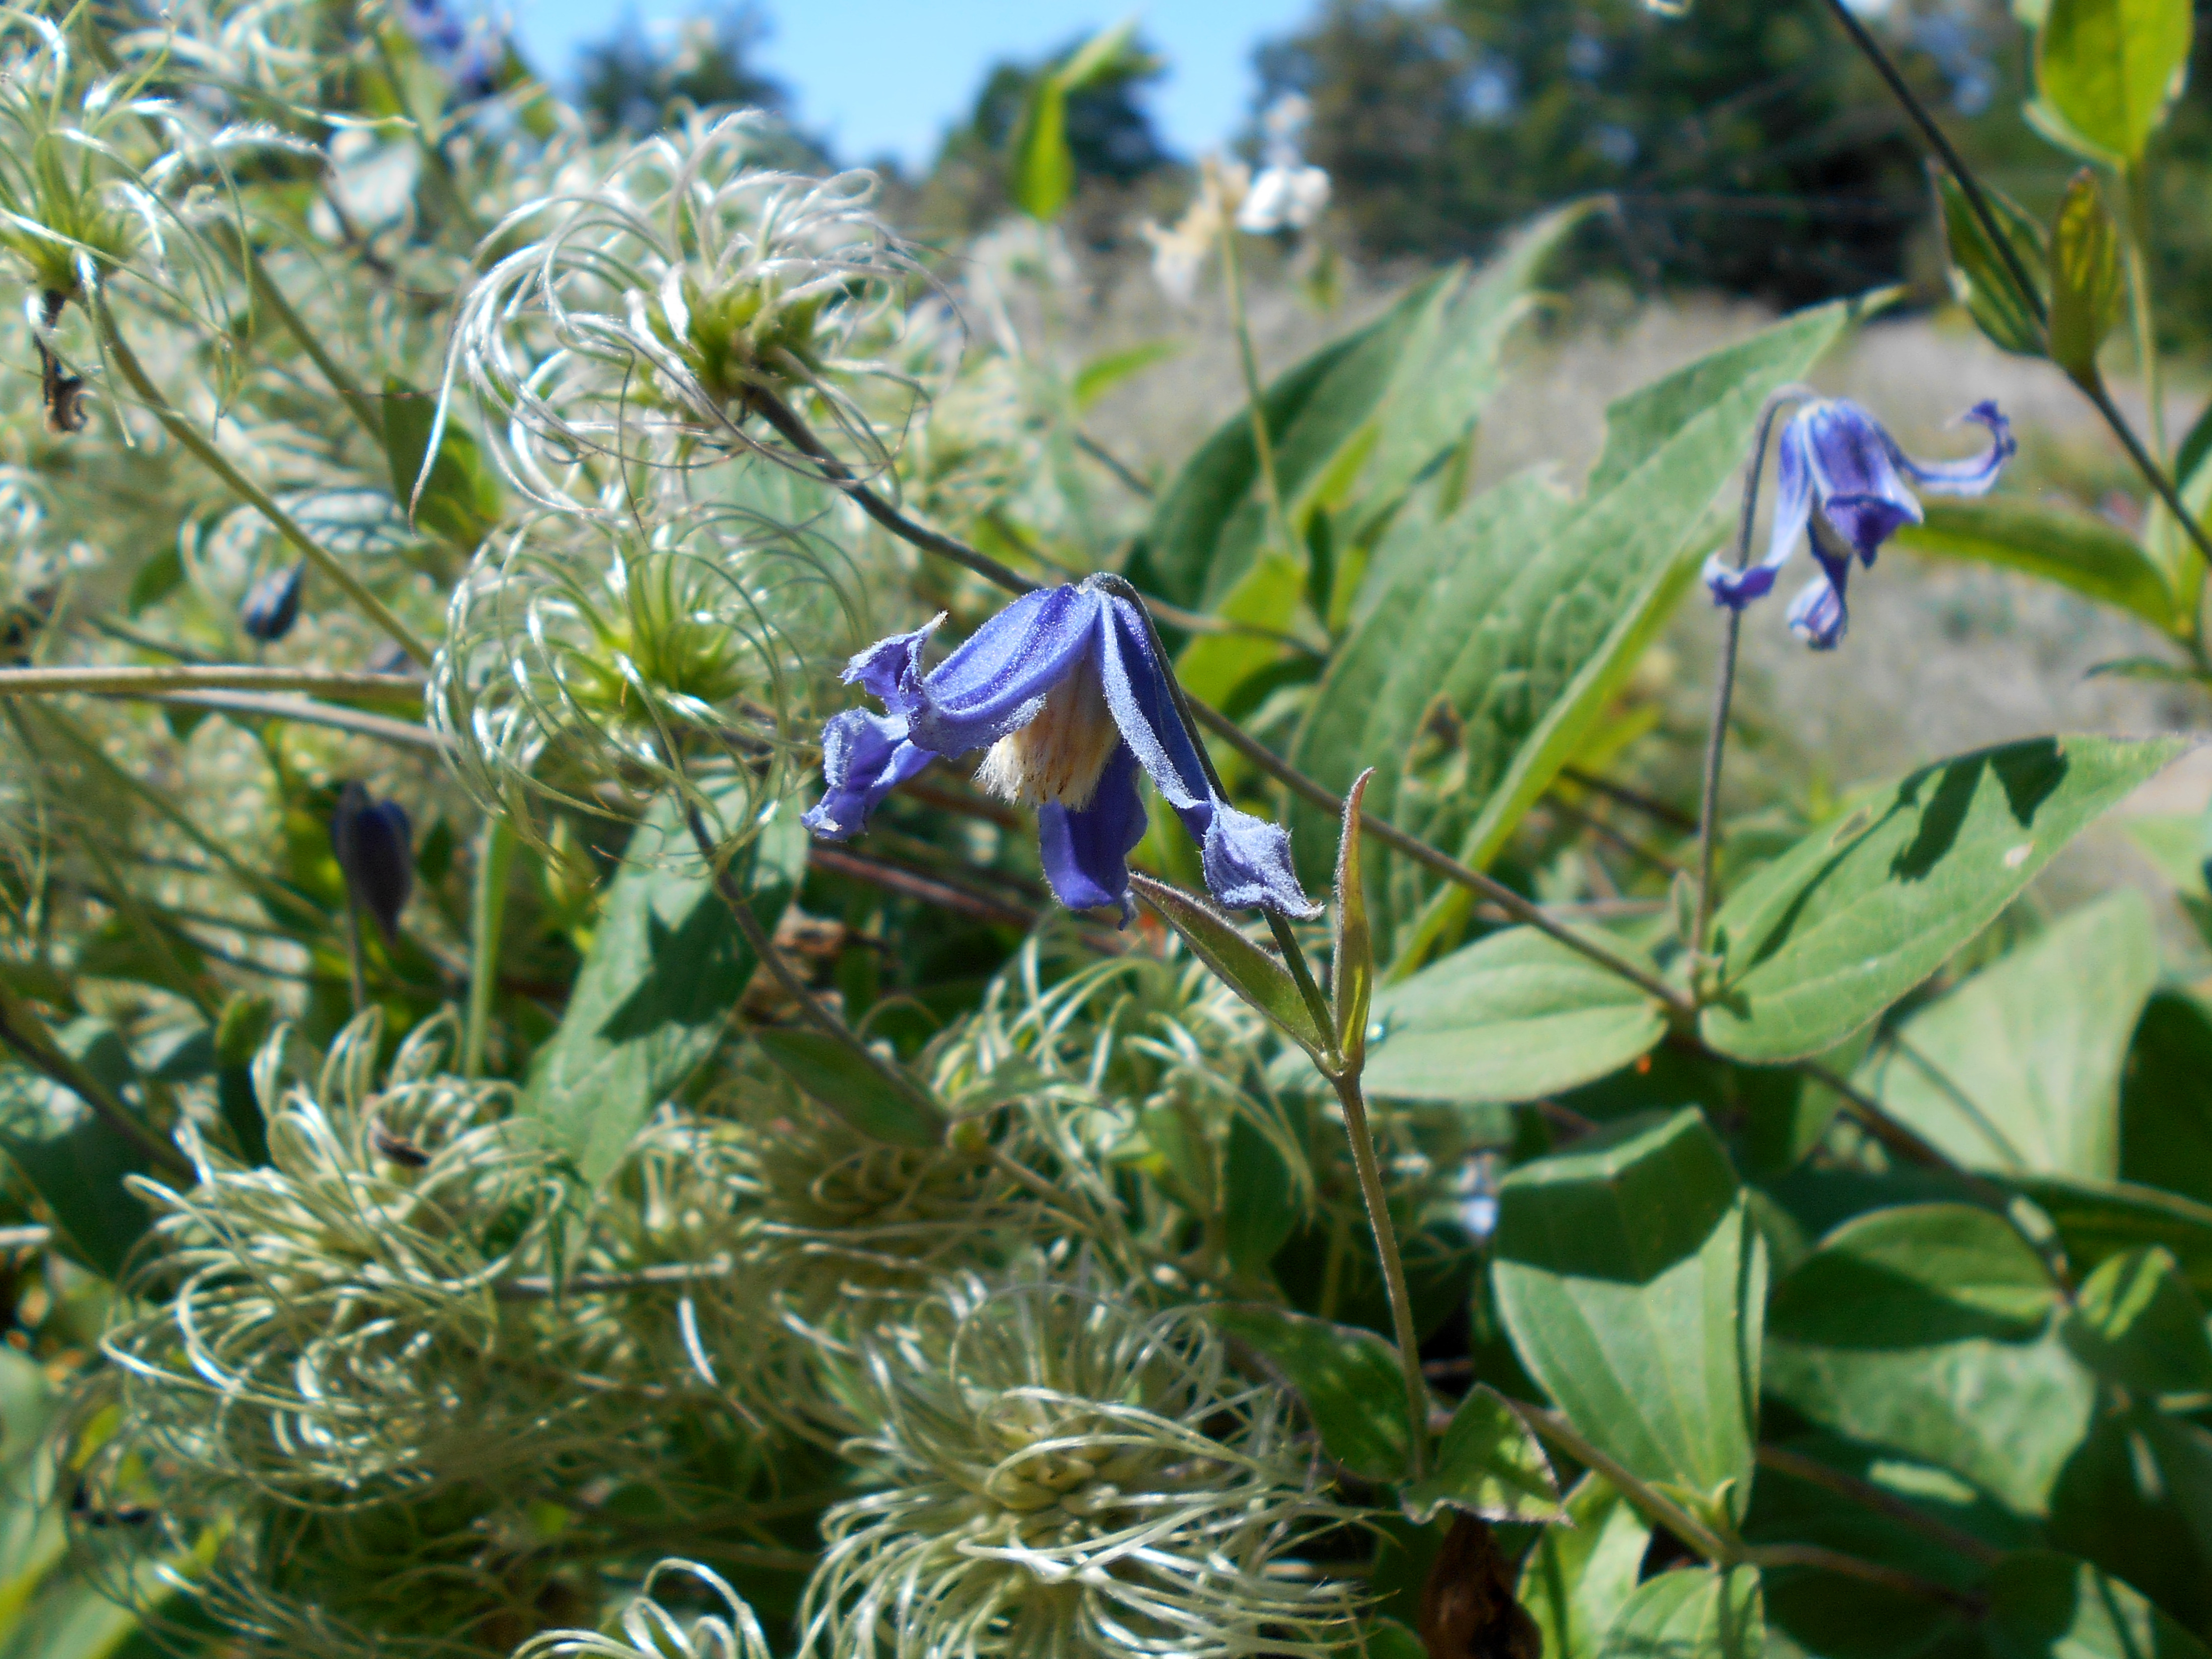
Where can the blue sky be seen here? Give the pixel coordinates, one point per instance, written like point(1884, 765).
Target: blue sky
point(878, 76)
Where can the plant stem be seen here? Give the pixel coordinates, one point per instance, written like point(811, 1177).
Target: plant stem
point(304, 710)
point(486, 915)
point(328, 563)
point(247, 260)
point(1393, 1268)
point(1709, 801)
point(356, 980)
point(1294, 957)
point(194, 677)
point(1881, 1501)
point(2152, 473)
point(1263, 444)
point(1654, 1505)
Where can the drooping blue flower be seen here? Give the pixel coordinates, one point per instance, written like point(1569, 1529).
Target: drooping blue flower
point(1065, 691)
point(375, 852)
point(1843, 481)
point(273, 605)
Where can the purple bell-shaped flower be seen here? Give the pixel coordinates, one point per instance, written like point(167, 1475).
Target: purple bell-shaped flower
point(1843, 480)
point(374, 850)
point(1065, 691)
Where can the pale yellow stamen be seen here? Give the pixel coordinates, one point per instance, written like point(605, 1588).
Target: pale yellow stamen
point(1060, 754)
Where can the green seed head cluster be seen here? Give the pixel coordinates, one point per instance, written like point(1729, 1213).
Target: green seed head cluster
point(653, 303)
point(578, 649)
point(1066, 1474)
point(412, 1388)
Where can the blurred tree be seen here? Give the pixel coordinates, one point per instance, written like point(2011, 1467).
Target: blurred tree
point(1739, 139)
point(633, 81)
point(1108, 129)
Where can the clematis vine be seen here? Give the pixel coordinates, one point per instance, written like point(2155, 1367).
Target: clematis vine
point(1067, 694)
point(1844, 483)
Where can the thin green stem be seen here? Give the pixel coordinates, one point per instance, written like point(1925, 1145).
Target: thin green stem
point(487, 916)
point(1709, 801)
point(244, 256)
point(1263, 443)
point(141, 682)
point(357, 979)
point(2135, 244)
point(217, 462)
point(1654, 1505)
point(1393, 1267)
point(1294, 957)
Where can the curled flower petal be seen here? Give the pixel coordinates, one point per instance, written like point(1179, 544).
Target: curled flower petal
point(1087, 849)
point(890, 669)
point(863, 758)
point(1973, 476)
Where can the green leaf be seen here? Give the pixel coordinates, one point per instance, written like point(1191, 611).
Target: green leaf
point(1451, 370)
point(1041, 171)
point(1348, 1378)
point(1519, 616)
point(1352, 961)
point(2097, 1220)
point(1855, 915)
point(2109, 70)
point(2137, 1323)
point(1913, 1276)
point(2088, 555)
point(1102, 374)
point(1691, 1613)
point(1514, 1016)
point(2019, 1068)
point(830, 1072)
point(666, 967)
point(459, 501)
point(70, 1156)
point(2166, 1116)
point(1634, 1287)
point(2047, 1606)
point(1490, 1463)
point(1926, 1328)
point(2086, 288)
point(1260, 1205)
point(161, 574)
point(1979, 273)
point(1246, 968)
point(1578, 1577)
point(2136, 1499)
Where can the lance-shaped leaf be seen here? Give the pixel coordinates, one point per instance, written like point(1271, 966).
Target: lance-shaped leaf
point(1982, 277)
point(1041, 175)
point(1509, 624)
point(1246, 968)
point(2086, 288)
point(2089, 555)
point(665, 970)
point(1857, 914)
point(1489, 1463)
point(1352, 987)
point(2107, 71)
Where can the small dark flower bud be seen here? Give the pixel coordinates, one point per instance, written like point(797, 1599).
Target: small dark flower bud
point(273, 606)
point(371, 840)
